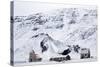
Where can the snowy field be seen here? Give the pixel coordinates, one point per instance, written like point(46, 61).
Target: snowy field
point(57, 32)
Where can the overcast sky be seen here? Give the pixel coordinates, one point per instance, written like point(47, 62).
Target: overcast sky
point(24, 8)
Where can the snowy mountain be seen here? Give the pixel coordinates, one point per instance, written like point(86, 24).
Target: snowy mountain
point(59, 29)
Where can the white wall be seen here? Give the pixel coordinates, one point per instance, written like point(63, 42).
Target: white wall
point(5, 33)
